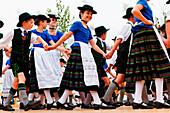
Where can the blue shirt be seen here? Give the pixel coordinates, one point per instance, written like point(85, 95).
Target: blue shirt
point(8, 62)
point(44, 35)
point(81, 33)
point(147, 13)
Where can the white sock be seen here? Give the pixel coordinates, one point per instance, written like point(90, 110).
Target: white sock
point(95, 96)
point(159, 89)
point(31, 96)
point(48, 96)
point(138, 91)
point(65, 95)
point(150, 97)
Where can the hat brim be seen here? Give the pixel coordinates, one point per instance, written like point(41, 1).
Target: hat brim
point(126, 16)
point(168, 2)
point(19, 24)
point(82, 8)
point(101, 32)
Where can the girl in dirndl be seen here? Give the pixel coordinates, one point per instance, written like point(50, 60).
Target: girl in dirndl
point(80, 73)
point(147, 60)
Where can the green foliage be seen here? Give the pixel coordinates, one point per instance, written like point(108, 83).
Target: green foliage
point(63, 12)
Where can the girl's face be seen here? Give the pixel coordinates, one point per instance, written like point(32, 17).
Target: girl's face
point(87, 15)
point(53, 22)
point(44, 24)
point(7, 53)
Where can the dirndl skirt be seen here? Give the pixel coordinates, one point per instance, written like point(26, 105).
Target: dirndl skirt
point(73, 78)
point(147, 59)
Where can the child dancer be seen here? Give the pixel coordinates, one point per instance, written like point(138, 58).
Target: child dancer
point(81, 68)
point(147, 59)
point(21, 39)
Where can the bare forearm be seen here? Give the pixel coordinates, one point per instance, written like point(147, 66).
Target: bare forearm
point(96, 48)
point(168, 30)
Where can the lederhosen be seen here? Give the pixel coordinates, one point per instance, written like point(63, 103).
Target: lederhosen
point(1, 56)
point(20, 54)
point(100, 62)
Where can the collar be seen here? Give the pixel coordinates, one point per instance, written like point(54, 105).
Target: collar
point(22, 29)
point(130, 23)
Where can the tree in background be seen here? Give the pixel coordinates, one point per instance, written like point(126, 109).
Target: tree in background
point(63, 12)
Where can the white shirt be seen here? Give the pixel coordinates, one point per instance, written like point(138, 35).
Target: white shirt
point(9, 36)
point(125, 32)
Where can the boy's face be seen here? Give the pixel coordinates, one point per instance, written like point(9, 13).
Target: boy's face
point(104, 36)
point(27, 25)
point(53, 22)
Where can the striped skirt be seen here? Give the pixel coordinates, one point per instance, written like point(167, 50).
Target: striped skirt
point(73, 78)
point(147, 59)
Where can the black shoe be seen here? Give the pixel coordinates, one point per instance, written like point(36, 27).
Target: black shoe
point(127, 104)
point(87, 106)
point(78, 105)
point(160, 105)
point(31, 104)
point(71, 105)
point(108, 105)
point(151, 103)
point(8, 108)
point(21, 106)
point(96, 106)
point(120, 103)
point(63, 106)
point(141, 106)
point(49, 106)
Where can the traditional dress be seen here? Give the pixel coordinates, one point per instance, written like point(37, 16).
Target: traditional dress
point(147, 59)
point(81, 71)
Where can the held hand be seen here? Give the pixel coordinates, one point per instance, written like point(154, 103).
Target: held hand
point(50, 48)
point(167, 43)
point(45, 47)
point(109, 55)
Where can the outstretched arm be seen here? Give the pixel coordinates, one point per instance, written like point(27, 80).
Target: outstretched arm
point(96, 48)
point(7, 67)
point(61, 40)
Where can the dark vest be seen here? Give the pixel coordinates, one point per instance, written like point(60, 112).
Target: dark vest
point(20, 46)
point(1, 56)
point(97, 56)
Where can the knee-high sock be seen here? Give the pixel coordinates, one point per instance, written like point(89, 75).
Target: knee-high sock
point(122, 91)
point(48, 96)
point(112, 87)
point(129, 96)
point(95, 96)
point(22, 93)
point(159, 89)
point(82, 96)
point(31, 96)
point(65, 95)
point(138, 91)
point(145, 95)
point(10, 96)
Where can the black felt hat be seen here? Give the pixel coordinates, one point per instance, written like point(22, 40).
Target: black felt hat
point(53, 16)
point(100, 30)
point(168, 2)
point(1, 24)
point(23, 17)
point(87, 7)
point(128, 12)
point(41, 17)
